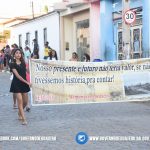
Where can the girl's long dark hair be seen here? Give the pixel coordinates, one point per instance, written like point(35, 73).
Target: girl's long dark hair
point(55, 56)
point(21, 59)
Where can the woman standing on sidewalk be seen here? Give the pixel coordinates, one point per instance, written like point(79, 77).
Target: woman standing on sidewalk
point(19, 84)
point(1, 60)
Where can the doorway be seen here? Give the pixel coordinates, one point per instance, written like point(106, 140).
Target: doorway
point(83, 38)
point(135, 43)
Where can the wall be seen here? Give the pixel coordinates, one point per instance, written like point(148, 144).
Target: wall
point(117, 4)
point(108, 28)
point(69, 31)
point(95, 30)
point(146, 28)
point(80, 16)
point(50, 21)
point(107, 47)
point(145, 4)
point(68, 36)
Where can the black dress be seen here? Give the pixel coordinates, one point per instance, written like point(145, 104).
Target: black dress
point(18, 86)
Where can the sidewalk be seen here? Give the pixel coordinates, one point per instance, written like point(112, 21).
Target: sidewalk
point(64, 122)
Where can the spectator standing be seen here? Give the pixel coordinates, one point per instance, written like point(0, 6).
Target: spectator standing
point(27, 54)
point(86, 57)
point(35, 53)
point(1, 60)
point(47, 50)
point(53, 55)
point(7, 52)
point(74, 57)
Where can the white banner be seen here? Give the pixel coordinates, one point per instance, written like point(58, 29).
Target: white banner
point(66, 82)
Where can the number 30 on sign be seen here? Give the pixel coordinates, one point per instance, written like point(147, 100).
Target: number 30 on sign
point(129, 17)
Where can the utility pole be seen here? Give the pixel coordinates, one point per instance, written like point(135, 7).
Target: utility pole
point(125, 31)
point(32, 5)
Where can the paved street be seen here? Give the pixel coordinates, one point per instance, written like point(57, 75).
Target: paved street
point(64, 122)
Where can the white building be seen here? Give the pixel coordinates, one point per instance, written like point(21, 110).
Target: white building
point(72, 27)
point(43, 28)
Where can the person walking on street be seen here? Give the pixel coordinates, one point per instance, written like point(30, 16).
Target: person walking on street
point(13, 46)
point(20, 86)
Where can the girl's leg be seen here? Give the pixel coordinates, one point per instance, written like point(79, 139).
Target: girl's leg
point(20, 106)
point(28, 105)
point(6, 63)
point(25, 99)
point(3, 66)
point(15, 101)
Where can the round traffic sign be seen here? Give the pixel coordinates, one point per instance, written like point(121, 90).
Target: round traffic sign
point(129, 17)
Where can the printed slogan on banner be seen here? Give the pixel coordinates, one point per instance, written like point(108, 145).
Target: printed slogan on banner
point(63, 82)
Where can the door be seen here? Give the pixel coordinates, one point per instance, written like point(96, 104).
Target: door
point(135, 43)
point(119, 45)
point(83, 38)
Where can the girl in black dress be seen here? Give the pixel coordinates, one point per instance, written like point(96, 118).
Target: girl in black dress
point(19, 84)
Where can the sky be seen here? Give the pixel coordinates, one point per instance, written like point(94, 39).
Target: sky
point(134, 78)
point(16, 8)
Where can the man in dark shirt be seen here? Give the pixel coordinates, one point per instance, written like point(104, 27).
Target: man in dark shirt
point(35, 49)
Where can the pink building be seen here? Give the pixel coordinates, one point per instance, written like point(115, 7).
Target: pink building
point(79, 28)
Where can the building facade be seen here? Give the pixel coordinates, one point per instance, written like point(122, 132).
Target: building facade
point(72, 27)
point(112, 30)
point(79, 28)
point(95, 27)
point(43, 28)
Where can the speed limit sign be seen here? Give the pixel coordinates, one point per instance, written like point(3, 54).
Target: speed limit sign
point(129, 17)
